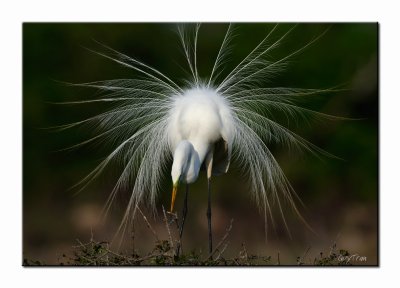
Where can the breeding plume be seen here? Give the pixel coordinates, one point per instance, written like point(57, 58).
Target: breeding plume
point(203, 124)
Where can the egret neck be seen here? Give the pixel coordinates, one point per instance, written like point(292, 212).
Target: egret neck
point(185, 166)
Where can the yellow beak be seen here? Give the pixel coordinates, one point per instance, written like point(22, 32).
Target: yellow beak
point(174, 190)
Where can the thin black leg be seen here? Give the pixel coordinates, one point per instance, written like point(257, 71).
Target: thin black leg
point(184, 213)
point(209, 217)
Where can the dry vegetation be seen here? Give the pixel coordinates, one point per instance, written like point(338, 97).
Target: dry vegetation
point(167, 252)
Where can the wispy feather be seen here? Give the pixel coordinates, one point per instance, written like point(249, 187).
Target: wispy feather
point(137, 124)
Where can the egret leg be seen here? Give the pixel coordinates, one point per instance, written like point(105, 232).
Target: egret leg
point(209, 165)
point(184, 213)
point(209, 217)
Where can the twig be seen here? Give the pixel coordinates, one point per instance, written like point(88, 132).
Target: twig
point(91, 233)
point(148, 223)
point(89, 260)
point(332, 249)
point(222, 251)
point(107, 249)
point(245, 252)
point(222, 240)
point(168, 230)
point(133, 236)
point(301, 259)
point(80, 244)
point(104, 254)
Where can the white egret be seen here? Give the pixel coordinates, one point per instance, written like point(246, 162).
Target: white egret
point(200, 129)
point(202, 123)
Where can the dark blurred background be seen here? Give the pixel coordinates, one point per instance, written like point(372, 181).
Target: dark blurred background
point(341, 196)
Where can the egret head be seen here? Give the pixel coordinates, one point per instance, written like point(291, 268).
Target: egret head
point(185, 167)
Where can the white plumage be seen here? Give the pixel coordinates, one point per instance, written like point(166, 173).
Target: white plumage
point(206, 123)
point(201, 117)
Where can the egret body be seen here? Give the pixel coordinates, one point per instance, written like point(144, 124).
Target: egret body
point(200, 120)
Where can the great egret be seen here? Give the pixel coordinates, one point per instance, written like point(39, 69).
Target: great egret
point(200, 128)
point(204, 122)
